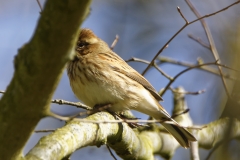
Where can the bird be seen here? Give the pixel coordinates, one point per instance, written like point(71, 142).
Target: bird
point(98, 76)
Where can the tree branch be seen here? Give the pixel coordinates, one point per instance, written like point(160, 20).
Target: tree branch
point(128, 143)
point(183, 27)
point(212, 43)
point(163, 59)
point(38, 68)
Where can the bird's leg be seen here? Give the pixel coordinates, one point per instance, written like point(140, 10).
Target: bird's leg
point(100, 107)
point(127, 115)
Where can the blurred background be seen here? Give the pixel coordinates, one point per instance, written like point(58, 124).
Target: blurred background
point(143, 27)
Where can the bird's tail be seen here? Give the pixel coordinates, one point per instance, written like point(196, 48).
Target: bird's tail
point(183, 136)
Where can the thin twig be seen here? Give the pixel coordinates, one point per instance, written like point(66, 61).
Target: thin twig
point(109, 149)
point(134, 59)
point(211, 41)
point(40, 6)
point(187, 64)
point(154, 65)
point(168, 121)
point(164, 46)
point(135, 121)
point(44, 130)
point(76, 104)
point(61, 102)
point(160, 51)
point(69, 118)
point(179, 11)
point(114, 42)
point(209, 15)
point(196, 128)
point(187, 92)
point(122, 121)
point(162, 72)
point(182, 112)
point(197, 39)
point(197, 66)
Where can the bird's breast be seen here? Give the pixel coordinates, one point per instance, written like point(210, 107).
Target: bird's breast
point(96, 86)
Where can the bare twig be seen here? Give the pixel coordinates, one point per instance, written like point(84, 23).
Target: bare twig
point(221, 10)
point(134, 59)
point(178, 114)
point(196, 128)
point(154, 65)
point(62, 118)
point(192, 93)
point(162, 72)
point(186, 64)
point(179, 11)
point(135, 121)
point(197, 66)
point(61, 102)
point(210, 38)
point(40, 6)
point(164, 46)
point(114, 42)
point(92, 111)
point(123, 120)
point(76, 104)
point(44, 130)
point(197, 39)
point(120, 121)
point(109, 149)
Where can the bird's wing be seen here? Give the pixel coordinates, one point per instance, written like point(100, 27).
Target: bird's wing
point(134, 75)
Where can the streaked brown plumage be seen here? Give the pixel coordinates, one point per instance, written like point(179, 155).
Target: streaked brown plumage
point(99, 76)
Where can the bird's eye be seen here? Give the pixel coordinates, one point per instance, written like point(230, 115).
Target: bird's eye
point(82, 44)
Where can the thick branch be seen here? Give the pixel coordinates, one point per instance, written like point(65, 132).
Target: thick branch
point(216, 132)
point(127, 143)
point(74, 135)
point(38, 68)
